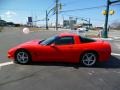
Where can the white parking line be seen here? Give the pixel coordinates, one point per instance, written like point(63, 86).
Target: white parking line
point(6, 63)
point(115, 54)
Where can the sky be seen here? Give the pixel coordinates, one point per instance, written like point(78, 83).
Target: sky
point(18, 10)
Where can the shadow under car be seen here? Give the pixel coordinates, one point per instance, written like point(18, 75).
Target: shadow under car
point(113, 63)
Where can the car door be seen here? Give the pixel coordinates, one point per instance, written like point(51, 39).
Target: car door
point(44, 51)
point(64, 46)
point(48, 53)
point(60, 50)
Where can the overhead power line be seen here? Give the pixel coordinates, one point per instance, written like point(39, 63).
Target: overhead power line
point(83, 9)
point(50, 6)
point(82, 17)
point(89, 8)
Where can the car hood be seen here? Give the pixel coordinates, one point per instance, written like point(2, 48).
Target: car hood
point(26, 44)
point(32, 42)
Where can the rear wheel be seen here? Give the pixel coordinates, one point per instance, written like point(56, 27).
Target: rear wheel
point(22, 57)
point(89, 59)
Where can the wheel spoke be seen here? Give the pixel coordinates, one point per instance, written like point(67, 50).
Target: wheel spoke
point(92, 56)
point(22, 57)
point(23, 54)
point(19, 55)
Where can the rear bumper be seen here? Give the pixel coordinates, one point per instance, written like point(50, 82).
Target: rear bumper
point(104, 57)
point(105, 52)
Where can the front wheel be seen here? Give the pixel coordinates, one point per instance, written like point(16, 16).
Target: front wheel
point(89, 59)
point(22, 57)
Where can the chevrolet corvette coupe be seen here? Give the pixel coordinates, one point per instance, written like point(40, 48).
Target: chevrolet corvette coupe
point(64, 47)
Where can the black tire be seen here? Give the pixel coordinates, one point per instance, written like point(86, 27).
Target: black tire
point(22, 57)
point(89, 59)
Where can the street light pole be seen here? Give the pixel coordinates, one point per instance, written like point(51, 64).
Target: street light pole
point(89, 23)
point(105, 31)
point(47, 19)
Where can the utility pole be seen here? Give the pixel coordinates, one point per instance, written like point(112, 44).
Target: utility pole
point(46, 20)
point(76, 20)
point(47, 14)
point(89, 23)
point(56, 14)
point(56, 10)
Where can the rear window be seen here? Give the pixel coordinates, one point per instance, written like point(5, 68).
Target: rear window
point(86, 40)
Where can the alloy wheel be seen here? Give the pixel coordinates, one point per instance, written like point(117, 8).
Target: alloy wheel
point(89, 59)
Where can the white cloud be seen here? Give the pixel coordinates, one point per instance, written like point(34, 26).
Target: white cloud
point(9, 14)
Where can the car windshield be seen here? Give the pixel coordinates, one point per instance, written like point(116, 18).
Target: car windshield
point(49, 40)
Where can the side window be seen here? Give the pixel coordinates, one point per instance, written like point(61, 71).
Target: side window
point(65, 40)
point(86, 40)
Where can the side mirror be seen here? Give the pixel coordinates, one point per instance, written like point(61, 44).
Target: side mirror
point(52, 45)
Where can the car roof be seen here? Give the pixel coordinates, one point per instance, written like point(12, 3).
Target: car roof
point(67, 34)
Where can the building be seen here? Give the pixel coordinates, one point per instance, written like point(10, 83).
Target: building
point(83, 25)
point(69, 23)
point(66, 24)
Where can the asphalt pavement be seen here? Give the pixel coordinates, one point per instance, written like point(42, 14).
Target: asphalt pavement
point(55, 76)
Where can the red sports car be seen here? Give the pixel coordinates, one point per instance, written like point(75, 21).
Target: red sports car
point(64, 47)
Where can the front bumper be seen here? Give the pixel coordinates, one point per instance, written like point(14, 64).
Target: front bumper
point(10, 56)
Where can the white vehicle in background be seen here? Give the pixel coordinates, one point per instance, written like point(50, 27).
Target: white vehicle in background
point(81, 31)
